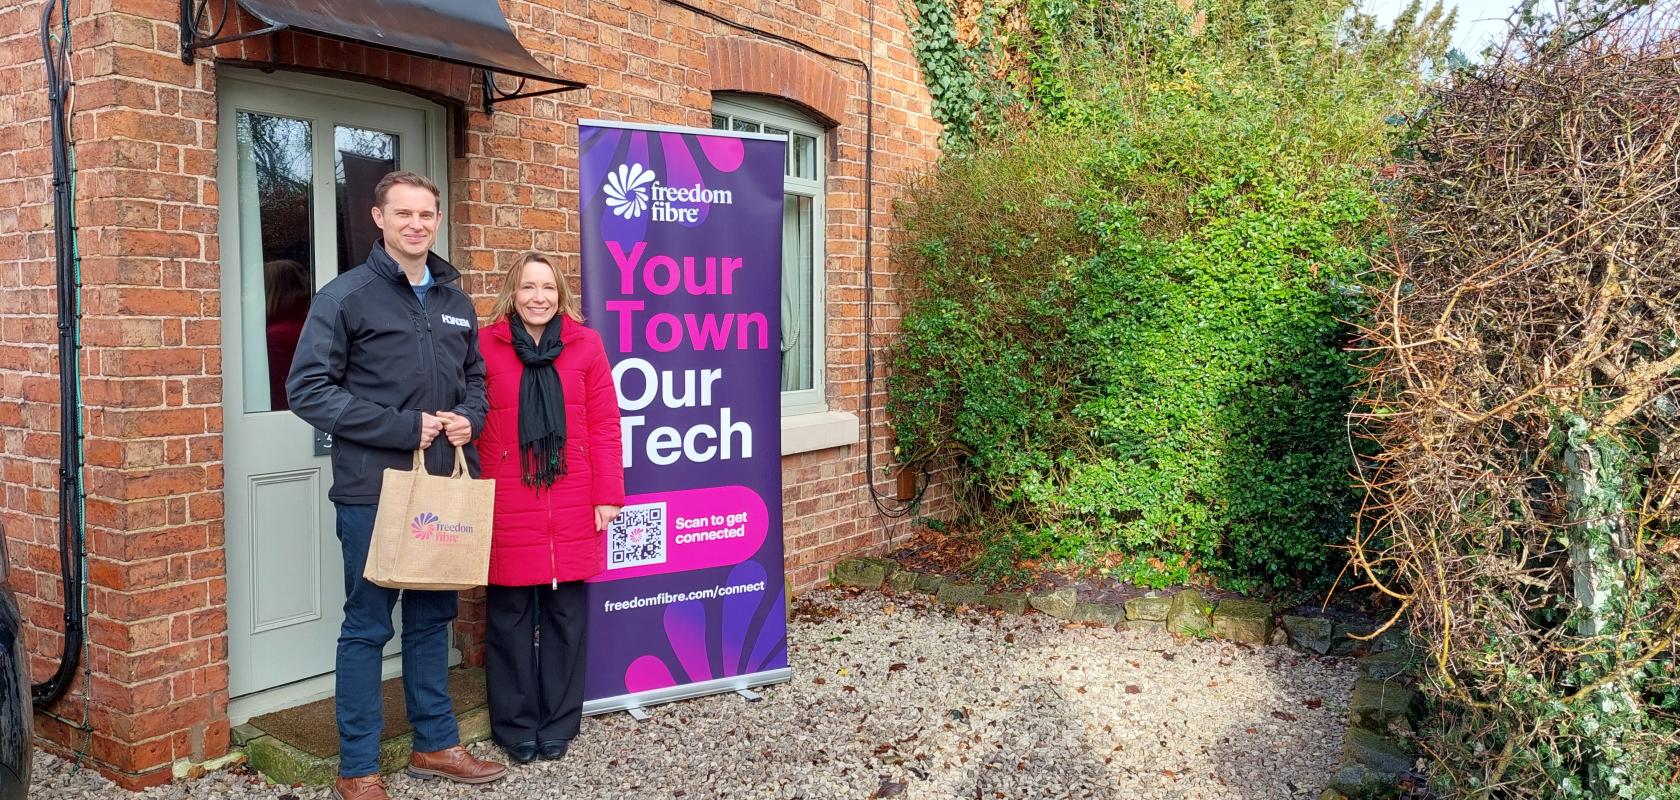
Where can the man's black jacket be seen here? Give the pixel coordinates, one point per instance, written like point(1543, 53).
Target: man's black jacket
point(371, 358)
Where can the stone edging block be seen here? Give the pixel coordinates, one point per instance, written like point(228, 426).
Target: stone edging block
point(1185, 612)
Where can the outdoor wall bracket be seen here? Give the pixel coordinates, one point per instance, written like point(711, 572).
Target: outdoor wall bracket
point(190, 15)
point(493, 94)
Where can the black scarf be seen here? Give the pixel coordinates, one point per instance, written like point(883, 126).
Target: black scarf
point(542, 405)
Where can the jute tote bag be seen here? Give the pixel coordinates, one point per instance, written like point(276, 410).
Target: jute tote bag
point(432, 532)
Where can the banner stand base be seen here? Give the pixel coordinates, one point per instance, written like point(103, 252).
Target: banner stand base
point(750, 695)
point(635, 703)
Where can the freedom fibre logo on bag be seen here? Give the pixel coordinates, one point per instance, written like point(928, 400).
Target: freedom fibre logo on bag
point(427, 527)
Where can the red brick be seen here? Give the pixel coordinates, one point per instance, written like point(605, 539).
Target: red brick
point(144, 302)
point(150, 603)
point(154, 362)
point(124, 576)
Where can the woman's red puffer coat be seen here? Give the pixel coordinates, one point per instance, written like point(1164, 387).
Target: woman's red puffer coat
point(548, 535)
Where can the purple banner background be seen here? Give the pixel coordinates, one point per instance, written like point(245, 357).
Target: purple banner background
point(714, 606)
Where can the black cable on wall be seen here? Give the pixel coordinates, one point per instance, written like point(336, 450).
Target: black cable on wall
point(70, 531)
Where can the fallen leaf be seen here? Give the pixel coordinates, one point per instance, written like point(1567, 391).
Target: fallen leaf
point(819, 680)
point(1284, 715)
point(1132, 688)
point(898, 666)
point(889, 788)
point(1312, 702)
point(1166, 656)
point(1009, 637)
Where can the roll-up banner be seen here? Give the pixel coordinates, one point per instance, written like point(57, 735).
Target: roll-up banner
point(681, 261)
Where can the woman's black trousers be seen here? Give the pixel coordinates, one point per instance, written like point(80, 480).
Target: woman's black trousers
point(533, 662)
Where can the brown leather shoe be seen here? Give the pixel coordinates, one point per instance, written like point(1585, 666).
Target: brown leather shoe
point(455, 764)
point(365, 787)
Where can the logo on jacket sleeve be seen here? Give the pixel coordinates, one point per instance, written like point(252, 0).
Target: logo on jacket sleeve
point(449, 320)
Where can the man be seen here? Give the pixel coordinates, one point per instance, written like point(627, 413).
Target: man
point(387, 363)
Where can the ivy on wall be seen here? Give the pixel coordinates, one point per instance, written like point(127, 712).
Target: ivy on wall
point(948, 68)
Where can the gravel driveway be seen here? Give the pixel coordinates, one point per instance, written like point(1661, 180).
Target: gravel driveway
point(898, 697)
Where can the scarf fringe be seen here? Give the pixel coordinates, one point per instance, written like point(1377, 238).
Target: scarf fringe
point(545, 461)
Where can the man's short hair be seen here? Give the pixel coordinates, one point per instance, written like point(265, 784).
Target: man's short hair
point(406, 178)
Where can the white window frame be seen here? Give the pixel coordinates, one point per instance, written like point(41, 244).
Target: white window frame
point(767, 112)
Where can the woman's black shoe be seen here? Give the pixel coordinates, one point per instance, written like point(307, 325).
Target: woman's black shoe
point(555, 749)
point(522, 753)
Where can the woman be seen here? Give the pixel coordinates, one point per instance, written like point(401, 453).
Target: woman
point(551, 442)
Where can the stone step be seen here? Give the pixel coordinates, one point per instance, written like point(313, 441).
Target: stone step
point(300, 744)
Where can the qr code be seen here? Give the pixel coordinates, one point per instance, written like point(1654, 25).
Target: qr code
point(637, 536)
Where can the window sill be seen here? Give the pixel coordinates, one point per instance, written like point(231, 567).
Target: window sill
point(805, 433)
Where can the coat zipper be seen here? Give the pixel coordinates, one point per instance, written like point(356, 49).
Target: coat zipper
point(553, 558)
point(431, 363)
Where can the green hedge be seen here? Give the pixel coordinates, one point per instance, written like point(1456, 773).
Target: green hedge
point(1126, 316)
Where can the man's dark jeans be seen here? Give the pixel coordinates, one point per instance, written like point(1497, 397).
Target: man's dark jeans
point(367, 628)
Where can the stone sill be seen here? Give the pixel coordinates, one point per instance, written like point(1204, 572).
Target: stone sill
point(805, 433)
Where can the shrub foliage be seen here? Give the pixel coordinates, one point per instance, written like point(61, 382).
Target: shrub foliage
point(1128, 281)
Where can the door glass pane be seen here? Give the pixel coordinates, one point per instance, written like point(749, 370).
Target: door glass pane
point(798, 264)
point(804, 156)
point(276, 240)
point(363, 157)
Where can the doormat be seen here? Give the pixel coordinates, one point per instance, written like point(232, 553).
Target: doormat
point(313, 728)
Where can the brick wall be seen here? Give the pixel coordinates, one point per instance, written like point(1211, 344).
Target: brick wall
point(145, 127)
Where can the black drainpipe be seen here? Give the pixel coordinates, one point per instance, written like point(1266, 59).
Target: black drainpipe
point(70, 533)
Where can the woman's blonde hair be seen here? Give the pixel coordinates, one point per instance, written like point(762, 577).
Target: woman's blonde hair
point(503, 307)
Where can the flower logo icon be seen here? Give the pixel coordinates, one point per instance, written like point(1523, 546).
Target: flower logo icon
point(424, 526)
point(627, 193)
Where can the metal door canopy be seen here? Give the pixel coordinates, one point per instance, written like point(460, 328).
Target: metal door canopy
point(472, 33)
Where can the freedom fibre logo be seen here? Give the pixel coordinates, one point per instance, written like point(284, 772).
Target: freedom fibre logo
point(427, 527)
point(633, 190)
point(627, 190)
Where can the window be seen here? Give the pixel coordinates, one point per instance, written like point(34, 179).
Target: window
point(802, 243)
